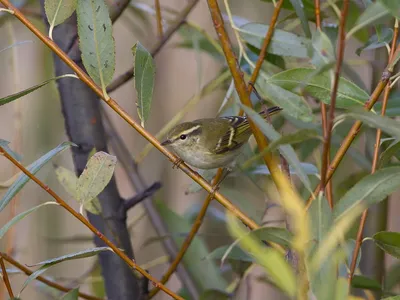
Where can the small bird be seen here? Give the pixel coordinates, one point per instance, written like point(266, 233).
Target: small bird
point(212, 143)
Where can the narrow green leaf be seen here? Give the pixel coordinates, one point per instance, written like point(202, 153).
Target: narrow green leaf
point(300, 12)
point(383, 37)
point(69, 181)
point(366, 283)
point(292, 104)
point(276, 235)
point(388, 242)
point(283, 43)
point(393, 7)
point(33, 168)
point(71, 295)
point(376, 121)
point(392, 298)
point(215, 295)
point(270, 259)
point(4, 144)
point(392, 277)
point(386, 155)
point(57, 11)
point(308, 169)
point(321, 52)
point(342, 289)
point(369, 190)
point(20, 216)
point(144, 70)
point(321, 218)
point(15, 44)
point(97, 174)
point(301, 80)
point(286, 150)
point(96, 41)
point(18, 95)
point(374, 13)
point(293, 138)
point(205, 273)
point(393, 105)
point(51, 262)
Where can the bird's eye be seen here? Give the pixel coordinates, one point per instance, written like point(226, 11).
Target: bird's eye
point(183, 137)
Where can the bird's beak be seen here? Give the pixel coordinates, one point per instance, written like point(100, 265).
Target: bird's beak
point(166, 143)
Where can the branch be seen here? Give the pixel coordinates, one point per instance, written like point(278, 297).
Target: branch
point(335, 85)
point(53, 284)
point(375, 160)
point(180, 20)
point(329, 192)
point(85, 222)
point(189, 238)
point(160, 31)
point(142, 195)
point(5, 278)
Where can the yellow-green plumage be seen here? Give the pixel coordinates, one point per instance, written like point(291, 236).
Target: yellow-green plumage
point(211, 143)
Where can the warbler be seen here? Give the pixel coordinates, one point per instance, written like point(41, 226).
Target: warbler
point(214, 142)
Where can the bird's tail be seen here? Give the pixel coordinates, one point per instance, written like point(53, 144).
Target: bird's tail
point(270, 111)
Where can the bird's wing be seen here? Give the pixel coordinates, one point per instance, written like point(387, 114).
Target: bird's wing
point(236, 135)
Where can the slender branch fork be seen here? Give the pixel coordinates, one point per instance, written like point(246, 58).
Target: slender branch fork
point(114, 106)
point(85, 222)
point(199, 219)
point(335, 85)
point(53, 284)
point(374, 162)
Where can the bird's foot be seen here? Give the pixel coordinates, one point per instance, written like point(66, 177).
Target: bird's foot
point(177, 163)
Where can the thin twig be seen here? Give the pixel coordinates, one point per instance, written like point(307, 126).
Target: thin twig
point(374, 162)
point(180, 20)
point(189, 238)
point(53, 284)
point(159, 18)
point(6, 279)
point(345, 145)
point(85, 222)
point(142, 195)
point(329, 193)
point(335, 85)
point(125, 116)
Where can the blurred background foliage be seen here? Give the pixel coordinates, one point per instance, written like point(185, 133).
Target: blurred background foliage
point(190, 60)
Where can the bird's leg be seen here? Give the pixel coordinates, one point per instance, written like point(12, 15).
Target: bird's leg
point(215, 188)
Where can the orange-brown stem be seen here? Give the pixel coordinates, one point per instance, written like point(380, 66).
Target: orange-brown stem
point(374, 163)
point(85, 222)
point(53, 284)
point(6, 279)
point(159, 18)
point(335, 85)
point(188, 240)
